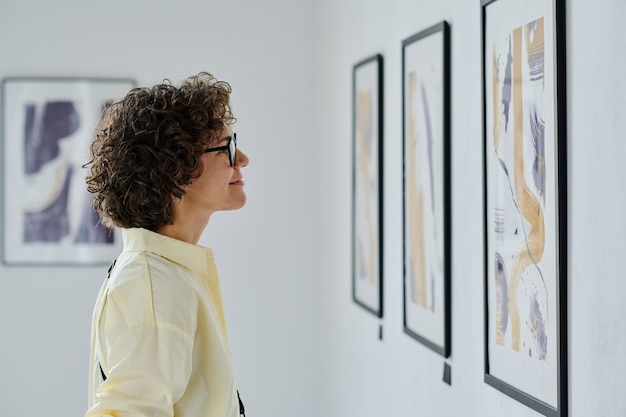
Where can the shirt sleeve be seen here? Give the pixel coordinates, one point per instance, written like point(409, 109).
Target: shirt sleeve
point(148, 362)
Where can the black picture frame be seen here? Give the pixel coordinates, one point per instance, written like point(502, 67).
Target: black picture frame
point(426, 182)
point(525, 201)
point(46, 212)
point(367, 184)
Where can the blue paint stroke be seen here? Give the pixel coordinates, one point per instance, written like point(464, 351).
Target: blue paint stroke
point(507, 85)
point(537, 130)
point(530, 255)
point(432, 291)
point(535, 57)
point(498, 225)
point(44, 128)
point(502, 292)
point(538, 330)
point(51, 223)
point(429, 145)
point(429, 150)
point(411, 273)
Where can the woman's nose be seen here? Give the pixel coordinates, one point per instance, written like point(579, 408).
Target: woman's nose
point(242, 159)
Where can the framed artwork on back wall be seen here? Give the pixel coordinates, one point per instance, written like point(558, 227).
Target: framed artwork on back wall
point(367, 184)
point(47, 213)
point(426, 187)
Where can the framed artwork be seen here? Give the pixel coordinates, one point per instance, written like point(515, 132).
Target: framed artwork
point(367, 184)
point(47, 213)
point(525, 201)
point(426, 186)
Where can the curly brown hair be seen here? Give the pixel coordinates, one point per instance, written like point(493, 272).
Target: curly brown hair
point(148, 147)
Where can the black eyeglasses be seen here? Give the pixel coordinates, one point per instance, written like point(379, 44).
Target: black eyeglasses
point(231, 147)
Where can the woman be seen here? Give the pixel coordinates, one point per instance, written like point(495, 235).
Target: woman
point(164, 160)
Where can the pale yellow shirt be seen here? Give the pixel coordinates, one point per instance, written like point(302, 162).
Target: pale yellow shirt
point(159, 334)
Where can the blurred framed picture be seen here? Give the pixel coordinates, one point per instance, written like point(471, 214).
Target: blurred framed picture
point(426, 187)
point(367, 184)
point(525, 201)
point(47, 213)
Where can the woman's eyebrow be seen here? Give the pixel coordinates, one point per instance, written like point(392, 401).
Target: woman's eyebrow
point(219, 142)
point(225, 139)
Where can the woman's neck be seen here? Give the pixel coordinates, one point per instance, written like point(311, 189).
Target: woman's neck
point(188, 227)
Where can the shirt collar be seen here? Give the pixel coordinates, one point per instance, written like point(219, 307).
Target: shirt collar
point(191, 256)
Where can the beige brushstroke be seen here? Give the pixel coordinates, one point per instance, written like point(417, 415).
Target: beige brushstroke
point(532, 249)
point(497, 103)
point(363, 122)
point(416, 204)
point(497, 136)
point(61, 172)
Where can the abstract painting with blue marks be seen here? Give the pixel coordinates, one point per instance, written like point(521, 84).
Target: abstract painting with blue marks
point(48, 124)
point(522, 198)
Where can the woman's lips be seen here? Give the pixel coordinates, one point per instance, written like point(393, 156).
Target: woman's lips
point(238, 182)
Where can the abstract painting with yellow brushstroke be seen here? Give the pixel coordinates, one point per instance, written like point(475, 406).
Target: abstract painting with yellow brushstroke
point(523, 151)
point(366, 191)
point(520, 272)
point(426, 207)
point(367, 187)
point(424, 239)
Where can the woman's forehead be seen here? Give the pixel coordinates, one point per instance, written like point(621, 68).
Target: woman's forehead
point(220, 136)
point(226, 133)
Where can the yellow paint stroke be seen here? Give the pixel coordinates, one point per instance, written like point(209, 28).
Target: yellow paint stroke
point(416, 204)
point(497, 103)
point(532, 249)
point(363, 123)
point(60, 178)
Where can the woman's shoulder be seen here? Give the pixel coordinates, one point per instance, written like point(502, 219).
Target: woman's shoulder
point(153, 288)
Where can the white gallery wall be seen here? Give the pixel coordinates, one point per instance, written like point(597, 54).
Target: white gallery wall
point(264, 252)
point(360, 375)
point(301, 346)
